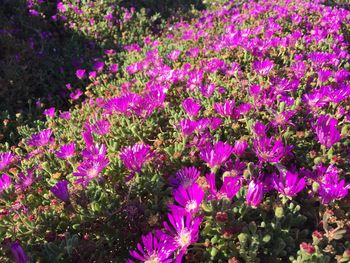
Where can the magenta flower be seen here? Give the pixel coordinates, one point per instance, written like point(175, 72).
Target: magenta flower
point(25, 180)
point(157, 247)
point(75, 94)
point(90, 169)
point(113, 68)
point(60, 190)
point(263, 67)
point(50, 112)
point(174, 55)
point(101, 127)
point(65, 115)
point(80, 73)
point(269, 150)
point(216, 155)
point(330, 187)
point(187, 126)
point(134, 157)
point(5, 182)
point(185, 177)
point(41, 138)
point(110, 52)
point(240, 147)
point(66, 151)
point(288, 184)
point(95, 160)
point(92, 74)
point(188, 199)
point(259, 129)
point(326, 130)
point(18, 253)
point(184, 230)
point(225, 110)
point(207, 90)
point(61, 7)
point(191, 107)
point(5, 159)
point(229, 188)
point(99, 65)
point(87, 136)
point(255, 193)
point(283, 118)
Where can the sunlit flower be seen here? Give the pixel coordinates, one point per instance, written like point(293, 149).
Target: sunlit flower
point(66, 151)
point(135, 156)
point(155, 248)
point(188, 199)
point(216, 155)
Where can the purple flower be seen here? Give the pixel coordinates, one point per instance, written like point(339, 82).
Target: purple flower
point(75, 94)
point(25, 180)
point(61, 7)
point(188, 199)
point(208, 90)
point(33, 12)
point(87, 136)
point(99, 65)
point(254, 90)
point(269, 149)
point(90, 169)
point(187, 126)
point(50, 112)
point(240, 147)
point(5, 159)
point(263, 67)
point(225, 110)
point(288, 184)
point(218, 154)
point(229, 188)
point(95, 160)
point(184, 230)
point(174, 55)
point(330, 187)
point(185, 177)
point(65, 115)
point(191, 107)
point(5, 182)
point(110, 52)
point(66, 151)
point(259, 129)
point(326, 130)
point(134, 157)
point(80, 73)
point(255, 193)
point(60, 190)
point(156, 247)
point(101, 127)
point(113, 68)
point(92, 74)
point(323, 75)
point(18, 253)
point(41, 138)
point(283, 118)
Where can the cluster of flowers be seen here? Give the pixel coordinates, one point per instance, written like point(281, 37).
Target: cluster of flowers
point(257, 110)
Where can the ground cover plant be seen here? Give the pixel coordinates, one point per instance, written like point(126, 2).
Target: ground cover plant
point(44, 42)
point(224, 139)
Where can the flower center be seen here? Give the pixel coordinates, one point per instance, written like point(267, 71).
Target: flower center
point(92, 173)
point(153, 259)
point(191, 205)
point(184, 238)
